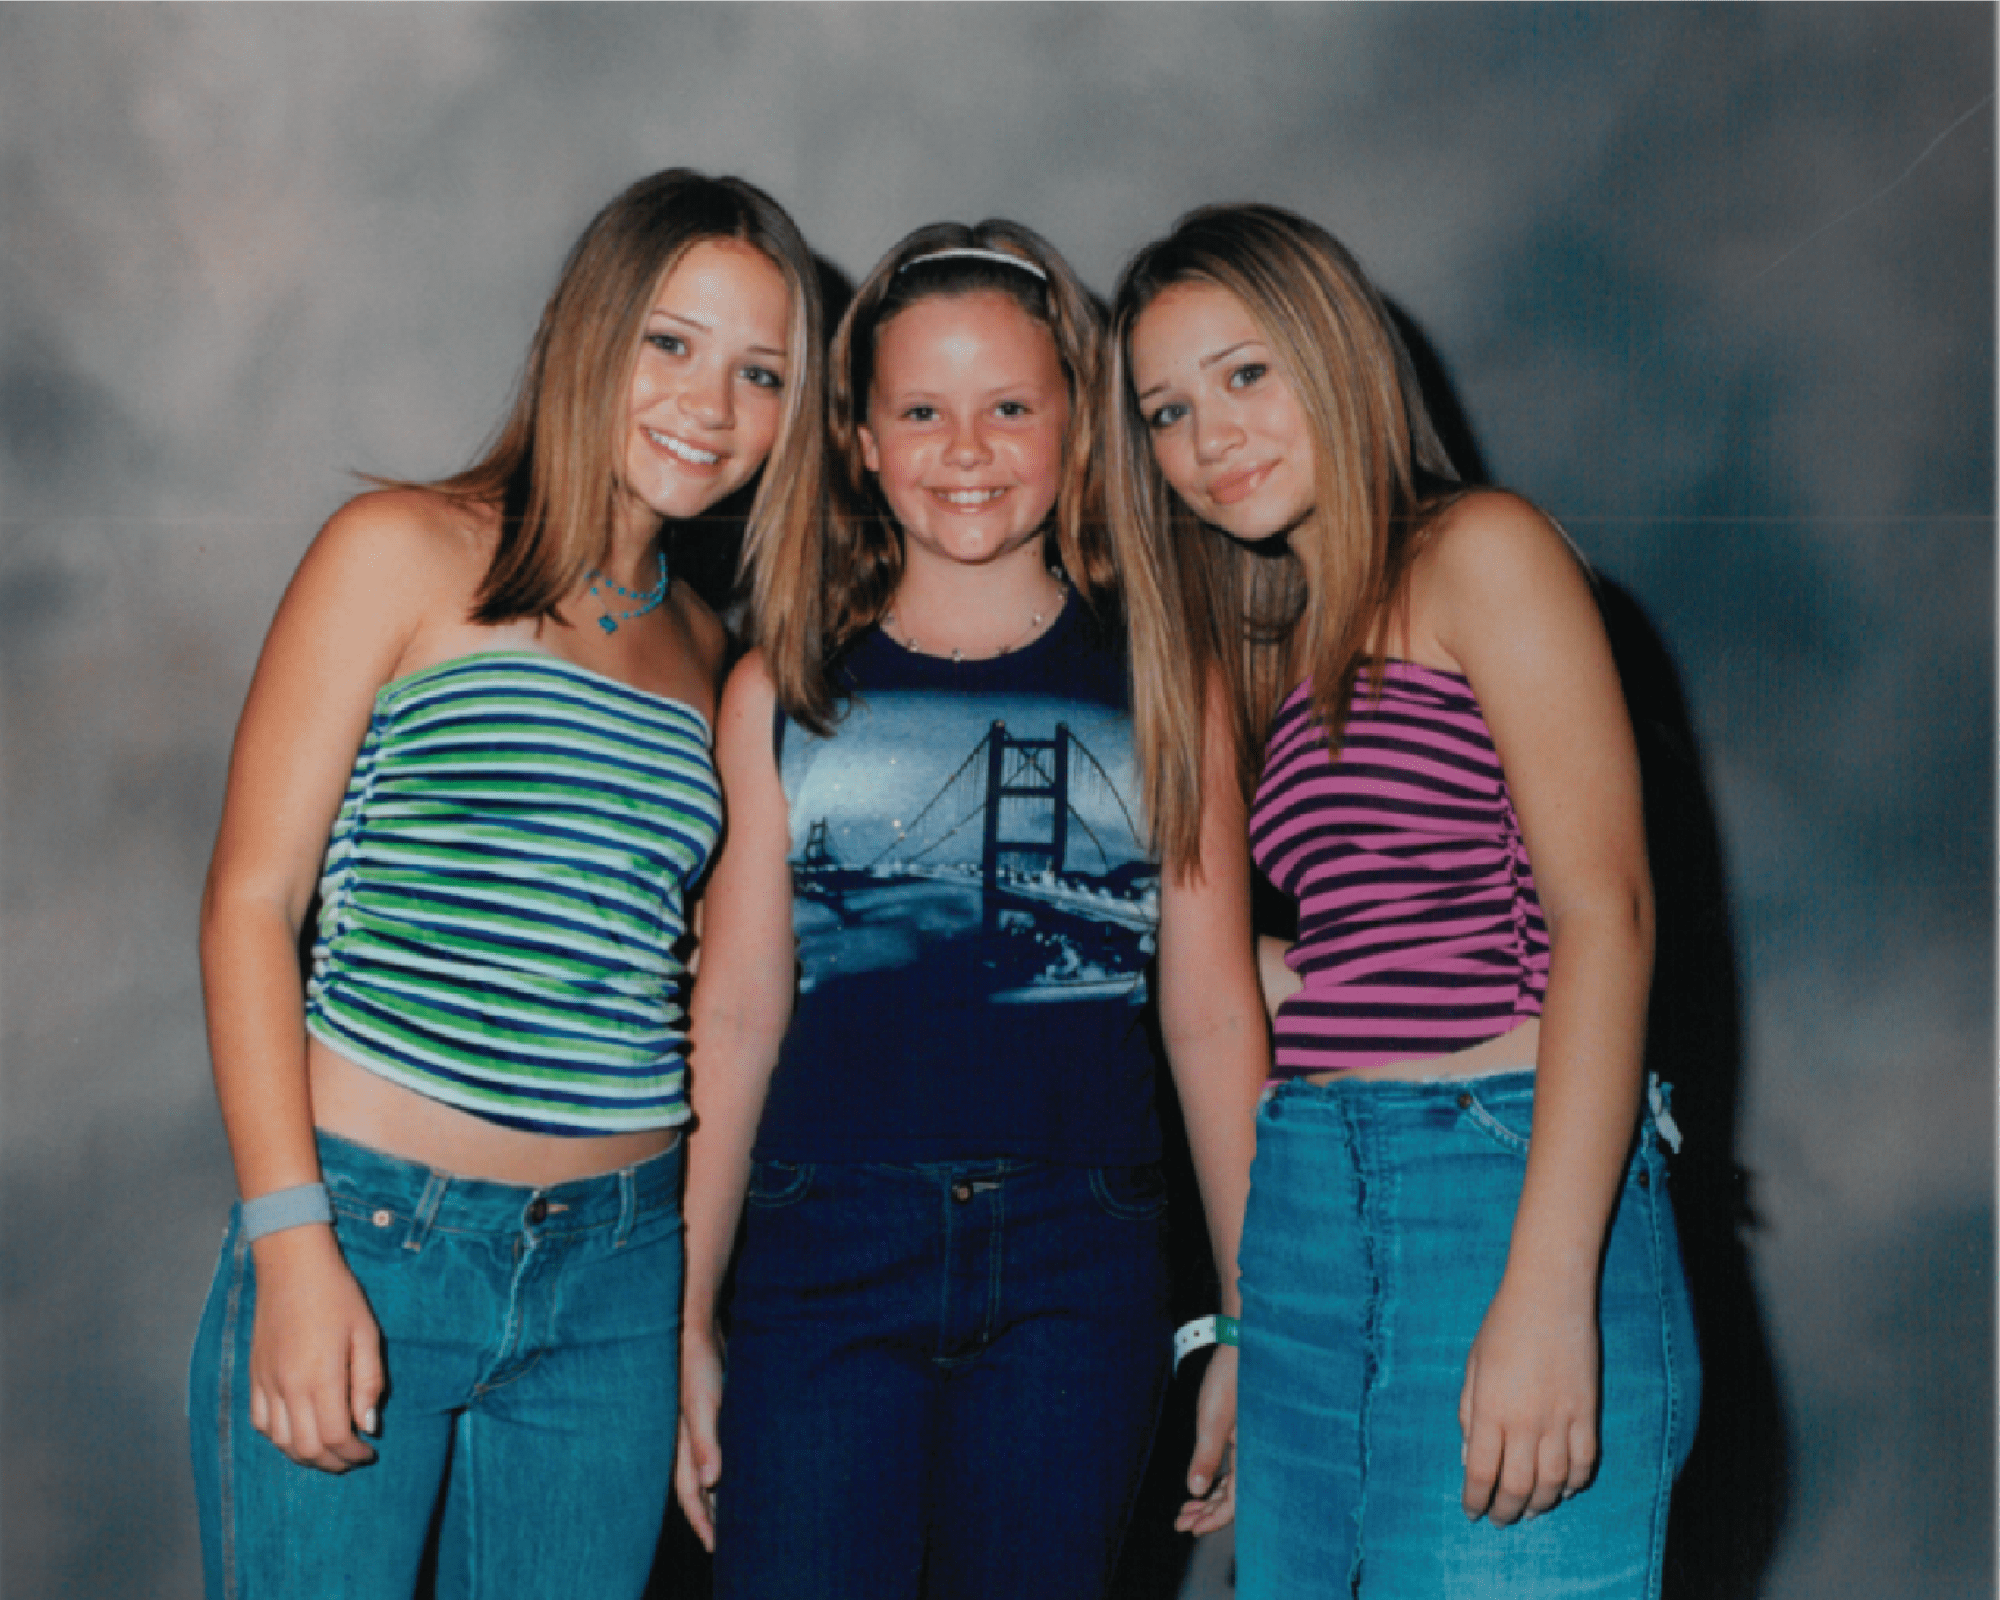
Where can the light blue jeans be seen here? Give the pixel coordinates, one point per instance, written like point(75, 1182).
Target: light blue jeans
point(532, 1341)
point(1376, 1235)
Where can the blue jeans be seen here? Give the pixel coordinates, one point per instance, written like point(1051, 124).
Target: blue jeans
point(943, 1379)
point(532, 1344)
point(1376, 1235)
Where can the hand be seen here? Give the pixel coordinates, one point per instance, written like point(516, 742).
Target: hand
point(1211, 1478)
point(1528, 1411)
point(698, 1457)
point(315, 1352)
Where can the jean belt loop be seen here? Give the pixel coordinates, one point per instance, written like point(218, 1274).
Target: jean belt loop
point(1659, 1097)
point(421, 1221)
point(628, 1205)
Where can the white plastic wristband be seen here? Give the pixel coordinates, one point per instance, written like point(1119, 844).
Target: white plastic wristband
point(1201, 1333)
point(282, 1209)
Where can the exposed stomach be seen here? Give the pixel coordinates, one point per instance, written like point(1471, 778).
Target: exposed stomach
point(367, 1108)
point(1513, 1051)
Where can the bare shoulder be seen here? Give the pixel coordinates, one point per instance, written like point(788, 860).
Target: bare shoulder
point(750, 691)
point(411, 539)
point(1493, 561)
point(1492, 536)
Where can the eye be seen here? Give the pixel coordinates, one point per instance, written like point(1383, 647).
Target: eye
point(1012, 408)
point(764, 378)
point(671, 343)
point(920, 413)
point(1166, 416)
point(1247, 374)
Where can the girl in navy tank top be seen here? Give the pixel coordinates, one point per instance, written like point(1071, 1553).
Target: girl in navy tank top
point(1467, 1362)
point(923, 1088)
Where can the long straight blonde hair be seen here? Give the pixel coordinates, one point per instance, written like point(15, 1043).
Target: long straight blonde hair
point(821, 584)
point(554, 469)
point(1201, 606)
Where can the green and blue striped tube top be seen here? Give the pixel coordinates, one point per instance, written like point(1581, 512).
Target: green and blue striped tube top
point(505, 893)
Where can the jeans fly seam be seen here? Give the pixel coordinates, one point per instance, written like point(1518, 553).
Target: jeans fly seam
point(1371, 1333)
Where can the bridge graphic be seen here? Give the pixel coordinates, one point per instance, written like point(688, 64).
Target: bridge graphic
point(1027, 799)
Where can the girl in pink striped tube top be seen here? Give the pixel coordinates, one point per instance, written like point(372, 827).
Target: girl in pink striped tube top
point(1419, 929)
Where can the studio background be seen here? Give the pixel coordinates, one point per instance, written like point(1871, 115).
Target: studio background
point(1715, 285)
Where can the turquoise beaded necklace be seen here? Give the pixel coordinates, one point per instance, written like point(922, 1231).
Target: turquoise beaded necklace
point(649, 599)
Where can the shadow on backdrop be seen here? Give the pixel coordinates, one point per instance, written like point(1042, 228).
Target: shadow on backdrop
point(1730, 1501)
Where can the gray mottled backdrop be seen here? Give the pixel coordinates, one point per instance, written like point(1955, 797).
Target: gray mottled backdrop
point(1715, 285)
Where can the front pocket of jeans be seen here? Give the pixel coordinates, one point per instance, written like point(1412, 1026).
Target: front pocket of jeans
point(1495, 1123)
point(778, 1183)
point(1131, 1194)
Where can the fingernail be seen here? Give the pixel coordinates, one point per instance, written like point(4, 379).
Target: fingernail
point(369, 1423)
point(1198, 1484)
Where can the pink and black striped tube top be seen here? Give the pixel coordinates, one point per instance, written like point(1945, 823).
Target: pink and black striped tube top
point(1419, 929)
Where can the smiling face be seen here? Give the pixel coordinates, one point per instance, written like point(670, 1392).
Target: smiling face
point(966, 418)
point(709, 387)
point(1226, 427)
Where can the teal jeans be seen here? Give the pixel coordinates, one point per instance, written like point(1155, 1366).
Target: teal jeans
point(532, 1343)
point(1376, 1234)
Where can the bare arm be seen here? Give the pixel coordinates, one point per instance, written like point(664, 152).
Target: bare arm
point(1509, 601)
point(742, 1005)
point(315, 1358)
point(1218, 1047)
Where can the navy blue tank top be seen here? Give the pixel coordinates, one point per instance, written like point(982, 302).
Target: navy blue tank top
point(975, 909)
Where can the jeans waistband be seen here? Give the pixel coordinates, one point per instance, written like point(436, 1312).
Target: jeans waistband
point(359, 1176)
point(1392, 1096)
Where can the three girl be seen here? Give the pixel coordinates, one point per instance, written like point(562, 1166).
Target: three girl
point(1402, 691)
point(927, 1133)
point(947, 1336)
point(480, 729)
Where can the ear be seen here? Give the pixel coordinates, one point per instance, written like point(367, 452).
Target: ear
point(871, 456)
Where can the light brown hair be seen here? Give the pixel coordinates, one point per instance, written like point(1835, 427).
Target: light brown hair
point(1200, 605)
point(553, 470)
point(817, 589)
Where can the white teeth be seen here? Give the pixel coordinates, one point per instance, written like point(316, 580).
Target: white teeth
point(686, 452)
point(970, 497)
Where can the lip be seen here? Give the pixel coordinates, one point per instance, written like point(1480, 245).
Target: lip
point(683, 452)
point(1233, 487)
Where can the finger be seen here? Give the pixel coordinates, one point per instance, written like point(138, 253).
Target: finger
point(1551, 1472)
point(1482, 1468)
point(365, 1379)
point(260, 1410)
point(689, 1490)
point(1582, 1457)
point(1516, 1483)
point(1210, 1461)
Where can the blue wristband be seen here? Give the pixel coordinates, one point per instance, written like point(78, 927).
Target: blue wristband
point(282, 1209)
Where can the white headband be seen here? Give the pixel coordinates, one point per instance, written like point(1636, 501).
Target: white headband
point(1002, 256)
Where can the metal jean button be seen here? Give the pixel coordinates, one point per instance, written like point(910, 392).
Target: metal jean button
point(961, 1191)
point(538, 1211)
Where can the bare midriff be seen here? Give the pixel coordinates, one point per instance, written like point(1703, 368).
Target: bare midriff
point(360, 1105)
point(1511, 1052)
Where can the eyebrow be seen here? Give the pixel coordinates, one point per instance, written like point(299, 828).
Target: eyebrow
point(702, 327)
point(1204, 364)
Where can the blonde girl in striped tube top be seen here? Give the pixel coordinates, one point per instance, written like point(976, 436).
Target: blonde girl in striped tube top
point(1466, 1361)
point(447, 1309)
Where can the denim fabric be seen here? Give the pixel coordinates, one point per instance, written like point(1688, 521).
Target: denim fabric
point(532, 1346)
point(1376, 1235)
point(943, 1379)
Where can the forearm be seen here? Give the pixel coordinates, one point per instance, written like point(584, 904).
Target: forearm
point(734, 1060)
point(1588, 1083)
point(1219, 1068)
point(255, 1005)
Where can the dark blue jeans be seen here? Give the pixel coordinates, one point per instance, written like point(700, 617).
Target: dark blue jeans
point(943, 1379)
point(532, 1339)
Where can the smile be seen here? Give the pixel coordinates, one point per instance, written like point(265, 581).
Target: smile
point(682, 451)
point(969, 498)
point(1240, 485)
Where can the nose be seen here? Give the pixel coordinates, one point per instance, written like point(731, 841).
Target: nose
point(706, 397)
point(967, 445)
point(1215, 434)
